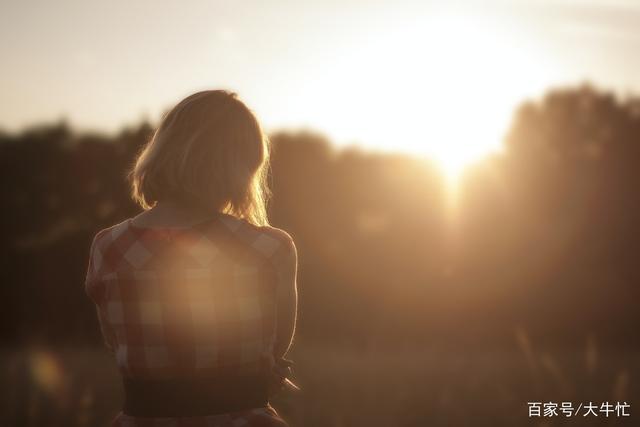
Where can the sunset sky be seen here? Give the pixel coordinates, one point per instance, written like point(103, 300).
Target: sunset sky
point(410, 76)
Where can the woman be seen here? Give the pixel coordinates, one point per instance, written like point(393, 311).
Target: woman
point(196, 296)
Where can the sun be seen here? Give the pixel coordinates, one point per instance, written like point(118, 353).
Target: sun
point(444, 87)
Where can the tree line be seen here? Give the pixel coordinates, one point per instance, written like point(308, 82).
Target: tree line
point(543, 236)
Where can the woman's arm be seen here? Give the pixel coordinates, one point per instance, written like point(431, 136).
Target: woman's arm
point(108, 336)
point(95, 291)
point(286, 298)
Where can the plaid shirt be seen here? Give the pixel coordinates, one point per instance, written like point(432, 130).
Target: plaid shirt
point(177, 302)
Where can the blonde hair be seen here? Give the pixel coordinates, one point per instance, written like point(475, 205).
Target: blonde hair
point(209, 152)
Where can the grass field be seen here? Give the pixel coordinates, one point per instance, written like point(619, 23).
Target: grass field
point(353, 387)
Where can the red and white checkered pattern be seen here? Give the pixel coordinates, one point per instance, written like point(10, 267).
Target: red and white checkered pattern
point(190, 301)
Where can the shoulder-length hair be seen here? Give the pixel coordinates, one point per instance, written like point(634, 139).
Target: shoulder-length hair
point(208, 152)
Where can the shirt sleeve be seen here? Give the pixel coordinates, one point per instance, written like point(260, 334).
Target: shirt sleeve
point(95, 291)
point(93, 267)
point(284, 260)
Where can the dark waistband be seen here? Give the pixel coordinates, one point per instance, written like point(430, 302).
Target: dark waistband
point(187, 397)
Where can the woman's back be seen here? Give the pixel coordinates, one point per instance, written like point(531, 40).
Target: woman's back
point(199, 316)
point(191, 305)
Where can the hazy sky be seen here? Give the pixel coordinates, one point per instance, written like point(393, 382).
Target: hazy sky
point(357, 70)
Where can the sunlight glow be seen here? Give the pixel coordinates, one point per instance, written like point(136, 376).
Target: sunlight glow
point(444, 88)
